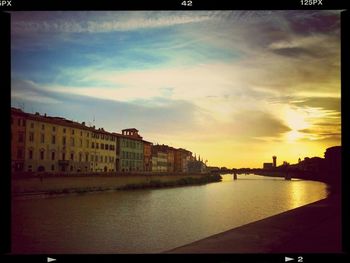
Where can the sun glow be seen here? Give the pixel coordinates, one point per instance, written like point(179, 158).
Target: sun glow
point(296, 121)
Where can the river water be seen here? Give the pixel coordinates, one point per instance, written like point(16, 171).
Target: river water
point(151, 221)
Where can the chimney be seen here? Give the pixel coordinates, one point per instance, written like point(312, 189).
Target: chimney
point(83, 123)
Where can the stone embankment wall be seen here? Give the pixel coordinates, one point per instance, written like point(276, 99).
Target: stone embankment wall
point(35, 185)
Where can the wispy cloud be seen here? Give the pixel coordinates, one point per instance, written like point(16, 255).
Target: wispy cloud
point(254, 79)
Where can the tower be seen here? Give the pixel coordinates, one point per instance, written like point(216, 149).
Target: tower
point(274, 158)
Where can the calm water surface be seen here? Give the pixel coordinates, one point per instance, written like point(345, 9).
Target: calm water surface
point(152, 221)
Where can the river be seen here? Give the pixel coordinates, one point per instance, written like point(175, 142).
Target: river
point(151, 221)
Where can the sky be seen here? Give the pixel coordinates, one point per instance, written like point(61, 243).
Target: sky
point(235, 87)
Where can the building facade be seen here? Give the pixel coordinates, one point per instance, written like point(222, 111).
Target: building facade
point(103, 151)
point(159, 159)
point(181, 159)
point(18, 136)
point(41, 143)
point(58, 145)
point(147, 156)
point(131, 149)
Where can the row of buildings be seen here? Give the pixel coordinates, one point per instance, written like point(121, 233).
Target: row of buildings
point(41, 143)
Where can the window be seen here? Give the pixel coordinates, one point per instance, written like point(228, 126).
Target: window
point(30, 154)
point(96, 158)
point(42, 154)
point(63, 156)
point(52, 156)
point(42, 126)
point(72, 131)
point(86, 157)
point(92, 145)
point(81, 133)
point(101, 159)
point(105, 159)
point(87, 134)
point(72, 156)
point(80, 157)
point(102, 146)
point(52, 167)
point(106, 146)
point(64, 130)
point(72, 141)
point(31, 136)
point(19, 153)
point(53, 139)
point(81, 143)
point(64, 140)
point(32, 125)
point(53, 128)
point(87, 143)
point(97, 145)
point(20, 137)
point(42, 138)
point(92, 158)
point(23, 123)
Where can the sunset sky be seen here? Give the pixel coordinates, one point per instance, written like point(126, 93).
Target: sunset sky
point(234, 87)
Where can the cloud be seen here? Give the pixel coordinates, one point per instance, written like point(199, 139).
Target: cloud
point(259, 124)
point(97, 21)
point(326, 103)
point(160, 116)
point(29, 91)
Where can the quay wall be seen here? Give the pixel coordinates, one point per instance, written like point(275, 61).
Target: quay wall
point(56, 183)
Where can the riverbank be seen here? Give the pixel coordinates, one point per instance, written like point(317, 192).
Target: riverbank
point(51, 186)
point(313, 228)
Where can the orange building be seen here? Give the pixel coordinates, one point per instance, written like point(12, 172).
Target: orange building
point(170, 154)
point(18, 136)
point(182, 156)
point(147, 156)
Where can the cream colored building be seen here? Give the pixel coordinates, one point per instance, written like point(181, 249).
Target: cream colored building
point(58, 145)
point(103, 151)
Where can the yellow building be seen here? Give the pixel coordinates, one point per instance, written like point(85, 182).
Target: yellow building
point(103, 151)
point(58, 145)
point(159, 159)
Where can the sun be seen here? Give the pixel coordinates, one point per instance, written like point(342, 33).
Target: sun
point(296, 121)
